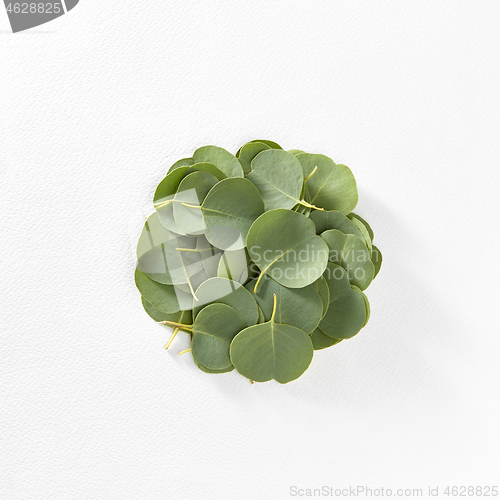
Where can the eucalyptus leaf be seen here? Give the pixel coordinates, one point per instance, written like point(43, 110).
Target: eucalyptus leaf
point(332, 219)
point(192, 190)
point(207, 370)
point(235, 265)
point(321, 287)
point(231, 293)
point(376, 259)
point(213, 330)
point(360, 219)
point(284, 245)
point(299, 307)
point(351, 253)
point(166, 298)
point(271, 351)
point(168, 186)
point(345, 316)
point(295, 152)
point(248, 152)
point(221, 158)
point(229, 210)
point(363, 231)
point(278, 177)
point(321, 341)
point(177, 317)
point(208, 168)
point(331, 186)
point(184, 162)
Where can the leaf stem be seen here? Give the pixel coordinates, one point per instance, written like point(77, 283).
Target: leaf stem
point(274, 308)
point(184, 352)
point(311, 174)
point(257, 284)
point(177, 325)
point(189, 205)
point(162, 204)
point(176, 331)
point(308, 205)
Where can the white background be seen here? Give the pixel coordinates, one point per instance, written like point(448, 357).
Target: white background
point(94, 108)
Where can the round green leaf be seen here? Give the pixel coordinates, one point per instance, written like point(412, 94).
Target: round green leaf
point(367, 304)
point(184, 162)
point(192, 190)
point(248, 152)
point(321, 286)
point(351, 253)
point(207, 370)
point(321, 341)
point(345, 316)
point(184, 317)
point(295, 152)
point(299, 307)
point(278, 177)
point(222, 159)
point(168, 186)
point(214, 328)
point(332, 219)
point(271, 144)
point(208, 168)
point(367, 226)
point(363, 230)
point(231, 293)
point(376, 259)
point(235, 265)
point(284, 245)
point(229, 210)
point(271, 351)
point(332, 186)
point(166, 298)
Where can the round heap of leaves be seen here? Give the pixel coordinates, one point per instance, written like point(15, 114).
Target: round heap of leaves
point(258, 257)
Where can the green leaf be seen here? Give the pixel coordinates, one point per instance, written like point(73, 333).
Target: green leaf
point(284, 245)
point(295, 152)
point(346, 313)
point(360, 219)
point(367, 304)
point(332, 186)
point(208, 168)
point(185, 317)
point(363, 231)
point(222, 159)
point(193, 189)
point(166, 298)
point(248, 152)
point(278, 177)
point(332, 219)
point(377, 260)
point(299, 307)
point(231, 293)
point(271, 144)
point(229, 210)
point(184, 162)
point(321, 286)
point(337, 280)
point(351, 253)
point(321, 341)
point(207, 370)
point(271, 351)
point(345, 316)
point(168, 186)
point(262, 319)
point(236, 265)
point(214, 328)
